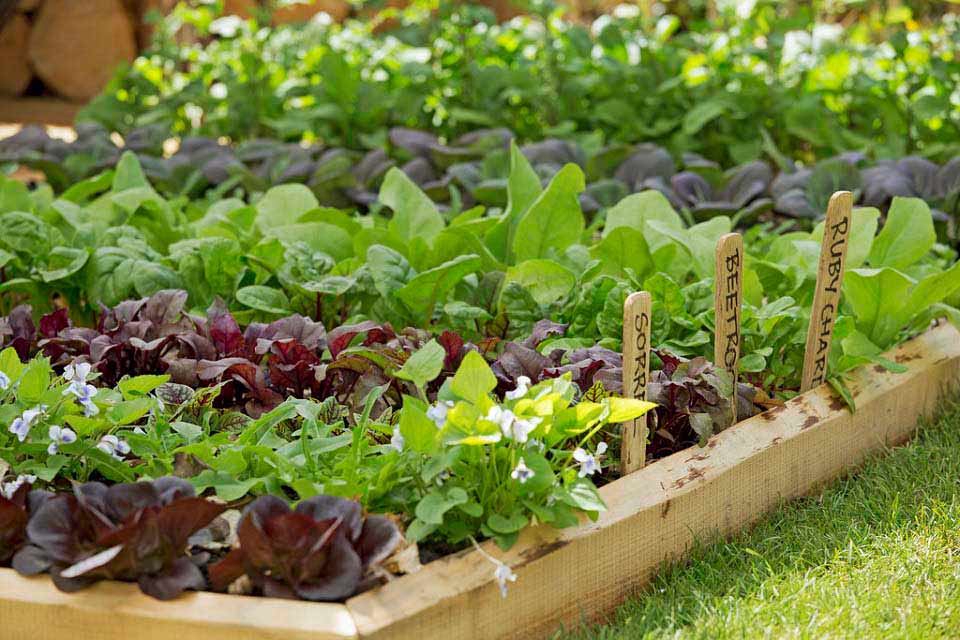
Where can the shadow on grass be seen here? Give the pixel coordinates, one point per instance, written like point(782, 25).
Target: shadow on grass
point(817, 557)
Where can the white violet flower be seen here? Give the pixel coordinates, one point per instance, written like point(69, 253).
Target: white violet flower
point(4, 381)
point(113, 446)
point(512, 427)
point(76, 373)
point(523, 385)
point(438, 413)
point(21, 425)
point(397, 440)
point(60, 435)
point(589, 464)
point(502, 574)
point(521, 473)
point(7, 489)
point(84, 393)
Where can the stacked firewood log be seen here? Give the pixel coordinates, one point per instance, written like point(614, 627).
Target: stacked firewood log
point(70, 48)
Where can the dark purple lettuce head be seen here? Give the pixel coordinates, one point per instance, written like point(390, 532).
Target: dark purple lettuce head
point(694, 401)
point(136, 532)
point(324, 550)
point(17, 502)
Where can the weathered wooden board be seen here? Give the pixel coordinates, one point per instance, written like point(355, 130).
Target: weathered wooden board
point(565, 576)
point(654, 514)
point(33, 609)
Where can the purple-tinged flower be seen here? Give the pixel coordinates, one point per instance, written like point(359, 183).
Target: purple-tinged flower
point(59, 435)
point(113, 446)
point(589, 464)
point(21, 425)
point(521, 473)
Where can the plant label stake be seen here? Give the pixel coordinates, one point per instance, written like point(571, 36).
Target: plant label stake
point(826, 297)
point(636, 371)
point(727, 302)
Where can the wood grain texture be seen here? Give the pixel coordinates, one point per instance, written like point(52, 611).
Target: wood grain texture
point(826, 296)
point(727, 306)
point(15, 71)
point(636, 373)
point(33, 608)
point(655, 513)
point(76, 46)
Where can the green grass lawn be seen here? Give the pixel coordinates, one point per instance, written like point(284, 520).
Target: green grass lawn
point(873, 556)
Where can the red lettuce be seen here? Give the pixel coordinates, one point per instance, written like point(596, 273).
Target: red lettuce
point(134, 531)
point(324, 550)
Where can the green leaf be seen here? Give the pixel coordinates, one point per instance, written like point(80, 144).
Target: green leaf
point(419, 432)
point(554, 221)
point(34, 381)
point(319, 236)
point(129, 174)
point(507, 524)
point(414, 213)
point(636, 210)
point(390, 270)
point(10, 363)
point(63, 262)
point(863, 228)
point(130, 411)
point(546, 280)
point(907, 235)
point(474, 378)
point(141, 385)
point(702, 114)
point(266, 299)
point(284, 205)
point(624, 409)
point(583, 495)
point(430, 287)
point(424, 365)
point(436, 503)
point(523, 185)
point(25, 233)
point(877, 298)
point(621, 249)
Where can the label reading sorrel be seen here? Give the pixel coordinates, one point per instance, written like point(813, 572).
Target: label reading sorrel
point(636, 371)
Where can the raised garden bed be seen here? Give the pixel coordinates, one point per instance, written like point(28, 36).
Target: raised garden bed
point(564, 576)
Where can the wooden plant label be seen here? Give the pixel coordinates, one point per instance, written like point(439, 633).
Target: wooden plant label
point(727, 303)
point(636, 370)
point(826, 297)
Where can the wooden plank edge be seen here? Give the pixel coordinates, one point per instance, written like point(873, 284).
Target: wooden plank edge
point(33, 608)
point(655, 514)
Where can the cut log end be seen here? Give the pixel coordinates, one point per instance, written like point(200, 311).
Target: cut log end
point(75, 46)
point(15, 71)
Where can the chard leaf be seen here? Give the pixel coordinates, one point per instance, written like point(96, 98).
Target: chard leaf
point(546, 280)
point(638, 209)
point(414, 213)
point(907, 235)
point(623, 248)
point(554, 220)
point(424, 291)
point(284, 205)
point(266, 299)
